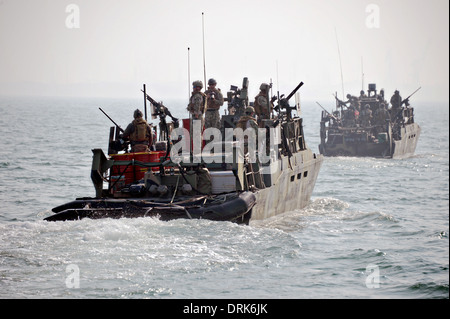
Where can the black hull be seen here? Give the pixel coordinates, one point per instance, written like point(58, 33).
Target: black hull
point(236, 208)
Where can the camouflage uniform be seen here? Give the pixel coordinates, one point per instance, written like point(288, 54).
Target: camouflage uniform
point(197, 103)
point(248, 121)
point(366, 116)
point(396, 100)
point(262, 102)
point(214, 101)
point(381, 116)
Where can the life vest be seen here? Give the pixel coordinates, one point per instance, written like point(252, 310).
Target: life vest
point(243, 121)
point(140, 132)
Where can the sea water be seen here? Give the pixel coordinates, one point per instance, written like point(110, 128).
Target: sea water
point(375, 228)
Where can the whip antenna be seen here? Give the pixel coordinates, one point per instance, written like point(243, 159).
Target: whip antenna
point(362, 73)
point(189, 75)
point(340, 62)
point(204, 64)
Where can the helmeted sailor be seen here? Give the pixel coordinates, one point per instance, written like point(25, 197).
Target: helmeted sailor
point(248, 121)
point(139, 132)
point(197, 102)
point(396, 100)
point(214, 100)
point(366, 116)
point(381, 117)
point(263, 106)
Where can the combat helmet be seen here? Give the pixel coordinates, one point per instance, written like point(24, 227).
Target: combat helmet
point(137, 113)
point(264, 87)
point(197, 83)
point(249, 110)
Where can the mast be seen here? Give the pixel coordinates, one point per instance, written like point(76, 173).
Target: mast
point(340, 62)
point(204, 63)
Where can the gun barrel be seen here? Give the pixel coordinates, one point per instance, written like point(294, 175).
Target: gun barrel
point(150, 99)
point(326, 110)
point(117, 125)
point(295, 90)
point(413, 93)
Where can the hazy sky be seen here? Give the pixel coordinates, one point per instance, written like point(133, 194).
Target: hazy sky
point(112, 47)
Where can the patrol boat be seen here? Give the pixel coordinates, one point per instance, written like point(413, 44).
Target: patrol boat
point(170, 184)
point(374, 131)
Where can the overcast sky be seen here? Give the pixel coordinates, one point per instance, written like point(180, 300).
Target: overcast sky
point(111, 47)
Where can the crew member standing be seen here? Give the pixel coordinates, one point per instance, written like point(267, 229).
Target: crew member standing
point(396, 100)
point(214, 100)
point(197, 102)
point(263, 106)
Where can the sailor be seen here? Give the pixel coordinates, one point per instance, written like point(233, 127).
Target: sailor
point(382, 116)
point(366, 116)
point(248, 121)
point(380, 97)
point(353, 100)
point(214, 100)
point(263, 106)
point(350, 117)
point(197, 102)
point(140, 133)
point(396, 100)
point(336, 121)
point(362, 94)
point(355, 103)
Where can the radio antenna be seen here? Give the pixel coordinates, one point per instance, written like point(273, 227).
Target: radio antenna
point(362, 73)
point(204, 63)
point(189, 75)
point(340, 62)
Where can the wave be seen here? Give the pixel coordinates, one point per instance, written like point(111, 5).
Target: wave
point(431, 290)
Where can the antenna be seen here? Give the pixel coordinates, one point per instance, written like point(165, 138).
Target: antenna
point(204, 64)
point(362, 73)
point(145, 102)
point(340, 62)
point(278, 81)
point(189, 75)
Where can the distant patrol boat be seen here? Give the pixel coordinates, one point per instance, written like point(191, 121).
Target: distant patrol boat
point(366, 129)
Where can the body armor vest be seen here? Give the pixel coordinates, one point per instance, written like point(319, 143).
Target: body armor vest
point(140, 133)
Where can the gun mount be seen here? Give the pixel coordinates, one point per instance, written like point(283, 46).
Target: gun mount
point(238, 98)
point(283, 102)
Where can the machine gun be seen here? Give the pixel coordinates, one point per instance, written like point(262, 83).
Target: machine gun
point(117, 125)
point(283, 102)
point(406, 101)
point(160, 110)
point(332, 116)
point(339, 102)
point(116, 143)
point(238, 98)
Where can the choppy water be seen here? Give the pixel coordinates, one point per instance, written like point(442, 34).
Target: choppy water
point(375, 228)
